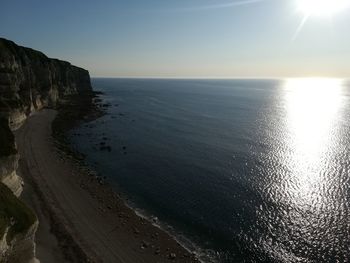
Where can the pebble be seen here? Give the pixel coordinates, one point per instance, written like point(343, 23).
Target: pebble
point(172, 256)
point(144, 244)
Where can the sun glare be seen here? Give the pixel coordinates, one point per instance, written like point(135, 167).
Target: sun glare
point(312, 104)
point(312, 107)
point(322, 7)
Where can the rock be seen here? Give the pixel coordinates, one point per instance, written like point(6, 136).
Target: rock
point(106, 148)
point(121, 214)
point(172, 256)
point(144, 244)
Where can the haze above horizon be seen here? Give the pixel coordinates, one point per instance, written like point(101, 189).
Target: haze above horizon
point(192, 38)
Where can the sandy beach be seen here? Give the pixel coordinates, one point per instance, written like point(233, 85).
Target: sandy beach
point(81, 219)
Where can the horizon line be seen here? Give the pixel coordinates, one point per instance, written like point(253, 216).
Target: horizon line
point(215, 77)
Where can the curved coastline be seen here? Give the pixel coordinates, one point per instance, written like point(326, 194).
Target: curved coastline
point(99, 109)
point(202, 255)
point(98, 221)
point(81, 218)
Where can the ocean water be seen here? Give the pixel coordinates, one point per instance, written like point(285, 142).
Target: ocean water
point(246, 170)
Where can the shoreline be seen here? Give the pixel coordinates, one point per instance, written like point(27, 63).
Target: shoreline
point(143, 241)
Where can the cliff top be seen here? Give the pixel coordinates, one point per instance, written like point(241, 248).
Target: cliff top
point(10, 47)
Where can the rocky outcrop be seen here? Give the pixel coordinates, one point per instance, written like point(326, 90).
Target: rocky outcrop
point(22, 247)
point(17, 222)
point(8, 175)
point(29, 81)
point(18, 225)
point(9, 159)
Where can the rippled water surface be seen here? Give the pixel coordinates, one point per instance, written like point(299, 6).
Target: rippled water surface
point(248, 170)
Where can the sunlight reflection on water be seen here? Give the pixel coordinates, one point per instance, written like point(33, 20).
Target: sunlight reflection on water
point(308, 187)
point(249, 170)
point(312, 106)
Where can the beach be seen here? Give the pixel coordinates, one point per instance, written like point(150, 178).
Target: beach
point(81, 218)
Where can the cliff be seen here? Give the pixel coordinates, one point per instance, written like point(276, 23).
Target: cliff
point(9, 159)
point(29, 81)
point(17, 222)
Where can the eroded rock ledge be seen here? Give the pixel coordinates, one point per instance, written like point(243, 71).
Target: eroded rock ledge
point(29, 81)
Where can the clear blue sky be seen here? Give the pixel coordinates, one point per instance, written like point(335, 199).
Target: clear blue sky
point(188, 38)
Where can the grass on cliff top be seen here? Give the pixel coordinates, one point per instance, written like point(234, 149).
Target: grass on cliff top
point(13, 212)
point(7, 139)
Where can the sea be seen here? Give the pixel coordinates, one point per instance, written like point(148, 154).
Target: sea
point(238, 170)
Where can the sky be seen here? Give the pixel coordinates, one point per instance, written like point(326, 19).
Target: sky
point(183, 38)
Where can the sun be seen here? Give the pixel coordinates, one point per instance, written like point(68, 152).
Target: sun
point(322, 7)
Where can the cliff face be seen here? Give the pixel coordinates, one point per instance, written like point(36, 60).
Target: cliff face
point(29, 81)
point(18, 225)
point(9, 159)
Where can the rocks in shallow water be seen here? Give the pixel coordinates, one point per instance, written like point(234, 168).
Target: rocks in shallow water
point(100, 181)
point(106, 148)
point(124, 150)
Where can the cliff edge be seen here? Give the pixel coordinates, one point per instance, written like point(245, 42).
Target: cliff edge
point(29, 81)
